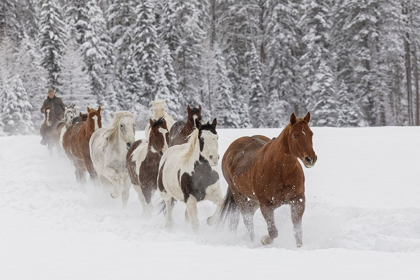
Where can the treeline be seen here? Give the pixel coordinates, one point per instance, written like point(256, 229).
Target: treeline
point(249, 63)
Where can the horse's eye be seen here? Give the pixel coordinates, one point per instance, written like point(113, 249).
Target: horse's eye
point(122, 126)
point(295, 135)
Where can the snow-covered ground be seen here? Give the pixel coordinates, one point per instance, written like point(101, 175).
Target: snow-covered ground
point(362, 219)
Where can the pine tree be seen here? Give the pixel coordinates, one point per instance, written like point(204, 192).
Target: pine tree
point(95, 48)
point(16, 115)
point(166, 84)
point(226, 108)
point(75, 81)
point(33, 76)
point(349, 114)
point(78, 20)
point(145, 49)
point(52, 40)
point(257, 93)
point(9, 21)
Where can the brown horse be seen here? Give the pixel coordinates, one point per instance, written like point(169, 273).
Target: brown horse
point(76, 144)
point(266, 173)
point(181, 130)
point(48, 128)
point(142, 162)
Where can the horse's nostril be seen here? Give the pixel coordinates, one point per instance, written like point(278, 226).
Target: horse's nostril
point(308, 159)
point(128, 145)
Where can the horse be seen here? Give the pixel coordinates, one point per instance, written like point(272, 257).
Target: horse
point(142, 162)
point(61, 126)
point(76, 144)
point(263, 173)
point(47, 128)
point(159, 112)
point(108, 149)
point(187, 173)
point(180, 131)
point(80, 118)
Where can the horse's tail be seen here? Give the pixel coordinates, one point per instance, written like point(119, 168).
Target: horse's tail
point(191, 148)
point(161, 206)
point(228, 208)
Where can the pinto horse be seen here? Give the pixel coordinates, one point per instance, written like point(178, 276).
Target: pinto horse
point(142, 162)
point(159, 112)
point(266, 173)
point(108, 149)
point(181, 130)
point(76, 144)
point(186, 173)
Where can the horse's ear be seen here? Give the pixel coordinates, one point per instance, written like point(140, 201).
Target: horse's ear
point(65, 108)
point(199, 108)
point(189, 109)
point(214, 123)
point(293, 118)
point(153, 103)
point(80, 115)
point(151, 122)
point(99, 108)
point(307, 118)
point(88, 109)
point(197, 123)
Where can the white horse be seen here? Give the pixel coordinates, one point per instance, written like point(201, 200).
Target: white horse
point(69, 115)
point(108, 149)
point(187, 173)
point(159, 112)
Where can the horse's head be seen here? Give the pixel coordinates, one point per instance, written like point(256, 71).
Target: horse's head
point(94, 118)
point(159, 135)
point(158, 105)
point(300, 140)
point(69, 114)
point(49, 116)
point(126, 127)
point(209, 141)
point(194, 114)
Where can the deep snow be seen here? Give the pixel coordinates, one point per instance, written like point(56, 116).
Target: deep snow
point(362, 219)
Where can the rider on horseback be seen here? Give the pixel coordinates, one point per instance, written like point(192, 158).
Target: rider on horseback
point(52, 101)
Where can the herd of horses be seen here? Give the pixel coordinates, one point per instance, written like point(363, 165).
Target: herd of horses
point(180, 159)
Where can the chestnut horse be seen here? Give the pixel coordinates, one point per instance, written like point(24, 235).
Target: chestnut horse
point(266, 173)
point(181, 130)
point(76, 144)
point(142, 162)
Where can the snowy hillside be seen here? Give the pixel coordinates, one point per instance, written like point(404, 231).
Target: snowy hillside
point(362, 219)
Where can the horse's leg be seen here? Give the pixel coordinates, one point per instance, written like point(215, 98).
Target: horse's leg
point(80, 170)
point(126, 190)
point(247, 208)
point(297, 209)
point(167, 198)
point(142, 200)
point(89, 167)
point(214, 194)
point(268, 214)
point(192, 212)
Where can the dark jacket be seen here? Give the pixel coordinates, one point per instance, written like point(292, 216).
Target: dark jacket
point(55, 102)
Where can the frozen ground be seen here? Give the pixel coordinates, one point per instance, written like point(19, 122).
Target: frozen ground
point(362, 219)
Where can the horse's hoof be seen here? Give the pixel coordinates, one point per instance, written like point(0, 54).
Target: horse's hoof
point(299, 245)
point(267, 240)
point(113, 196)
point(211, 221)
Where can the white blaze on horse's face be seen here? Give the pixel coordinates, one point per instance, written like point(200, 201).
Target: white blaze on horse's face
point(48, 122)
point(165, 143)
point(211, 147)
point(127, 131)
point(95, 121)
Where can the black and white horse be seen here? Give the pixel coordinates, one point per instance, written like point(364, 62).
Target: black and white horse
point(187, 173)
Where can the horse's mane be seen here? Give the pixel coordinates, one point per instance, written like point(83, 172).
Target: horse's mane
point(192, 151)
point(112, 131)
point(158, 122)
